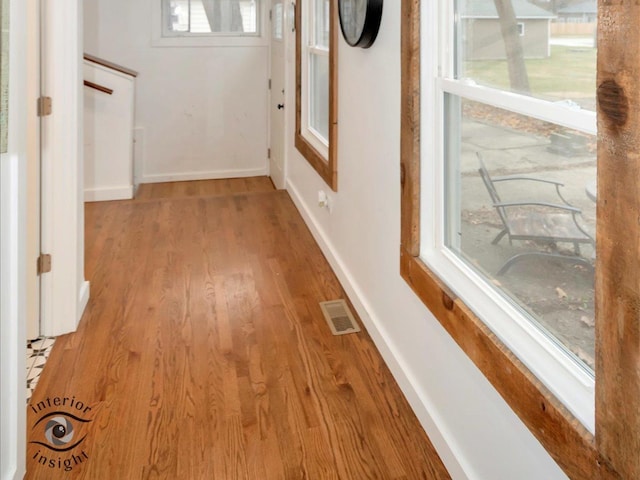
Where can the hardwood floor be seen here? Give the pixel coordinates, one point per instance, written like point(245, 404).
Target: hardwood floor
point(203, 353)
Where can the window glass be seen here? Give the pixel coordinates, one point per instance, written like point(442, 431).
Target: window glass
point(519, 170)
point(322, 23)
point(277, 21)
point(4, 76)
point(545, 173)
point(319, 95)
point(237, 17)
point(545, 64)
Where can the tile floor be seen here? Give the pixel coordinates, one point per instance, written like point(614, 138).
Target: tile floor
point(38, 351)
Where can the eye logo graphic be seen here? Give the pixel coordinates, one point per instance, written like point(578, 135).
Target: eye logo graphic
point(59, 431)
point(58, 434)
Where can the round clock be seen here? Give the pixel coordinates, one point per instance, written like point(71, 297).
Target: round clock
point(360, 21)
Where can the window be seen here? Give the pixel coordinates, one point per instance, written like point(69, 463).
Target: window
point(208, 23)
point(316, 110)
point(520, 27)
point(212, 17)
point(524, 268)
point(466, 99)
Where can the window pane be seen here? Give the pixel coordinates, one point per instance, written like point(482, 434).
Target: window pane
point(545, 58)
point(319, 95)
point(4, 76)
point(322, 23)
point(277, 22)
point(211, 16)
point(537, 250)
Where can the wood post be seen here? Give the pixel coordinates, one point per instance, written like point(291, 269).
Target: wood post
point(618, 242)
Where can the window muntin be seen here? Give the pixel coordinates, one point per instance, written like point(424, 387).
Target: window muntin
point(209, 17)
point(486, 116)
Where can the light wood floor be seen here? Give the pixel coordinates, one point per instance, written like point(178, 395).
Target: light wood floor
point(203, 353)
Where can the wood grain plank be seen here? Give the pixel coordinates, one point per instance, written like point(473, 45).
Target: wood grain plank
point(618, 258)
point(410, 127)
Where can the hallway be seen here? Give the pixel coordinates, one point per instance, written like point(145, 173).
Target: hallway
point(203, 353)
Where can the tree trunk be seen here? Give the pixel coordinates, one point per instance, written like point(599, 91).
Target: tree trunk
point(513, 47)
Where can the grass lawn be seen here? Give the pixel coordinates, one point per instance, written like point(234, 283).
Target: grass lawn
point(569, 73)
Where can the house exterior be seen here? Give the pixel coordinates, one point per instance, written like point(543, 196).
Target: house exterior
point(480, 23)
point(585, 12)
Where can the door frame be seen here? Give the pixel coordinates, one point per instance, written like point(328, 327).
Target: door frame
point(274, 96)
point(33, 171)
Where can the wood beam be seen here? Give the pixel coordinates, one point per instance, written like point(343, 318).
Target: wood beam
point(618, 226)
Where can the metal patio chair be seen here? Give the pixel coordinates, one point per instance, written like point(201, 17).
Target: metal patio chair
point(538, 221)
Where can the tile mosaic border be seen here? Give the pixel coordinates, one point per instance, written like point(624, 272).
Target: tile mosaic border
point(38, 351)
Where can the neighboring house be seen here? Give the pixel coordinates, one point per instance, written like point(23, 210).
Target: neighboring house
point(482, 30)
point(585, 12)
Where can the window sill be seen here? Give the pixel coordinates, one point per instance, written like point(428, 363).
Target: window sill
point(209, 41)
point(568, 442)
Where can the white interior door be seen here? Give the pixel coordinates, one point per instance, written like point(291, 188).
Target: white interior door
point(277, 105)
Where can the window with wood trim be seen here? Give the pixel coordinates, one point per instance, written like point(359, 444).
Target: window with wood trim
point(316, 82)
point(209, 17)
point(468, 131)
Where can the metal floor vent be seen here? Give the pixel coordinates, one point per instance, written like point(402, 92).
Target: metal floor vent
point(339, 317)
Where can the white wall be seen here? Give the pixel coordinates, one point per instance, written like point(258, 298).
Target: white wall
point(13, 188)
point(203, 110)
point(108, 134)
point(475, 432)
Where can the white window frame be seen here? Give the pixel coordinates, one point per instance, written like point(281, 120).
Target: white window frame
point(187, 39)
point(309, 48)
point(572, 384)
point(521, 29)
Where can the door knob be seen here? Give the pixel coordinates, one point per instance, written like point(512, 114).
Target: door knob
point(280, 106)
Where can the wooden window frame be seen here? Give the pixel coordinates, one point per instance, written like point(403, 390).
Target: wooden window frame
point(327, 168)
point(612, 453)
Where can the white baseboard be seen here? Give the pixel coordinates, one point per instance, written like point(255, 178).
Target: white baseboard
point(83, 299)
point(109, 193)
point(213, 175)
point(421, 405)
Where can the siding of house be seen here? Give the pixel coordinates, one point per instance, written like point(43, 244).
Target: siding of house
point(483, 40)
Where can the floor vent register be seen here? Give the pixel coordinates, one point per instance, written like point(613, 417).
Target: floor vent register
point(339, 317)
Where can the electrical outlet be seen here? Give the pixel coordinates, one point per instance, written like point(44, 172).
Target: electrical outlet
point(323, 201)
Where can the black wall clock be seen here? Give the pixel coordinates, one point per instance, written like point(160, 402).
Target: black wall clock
point(360, 21)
